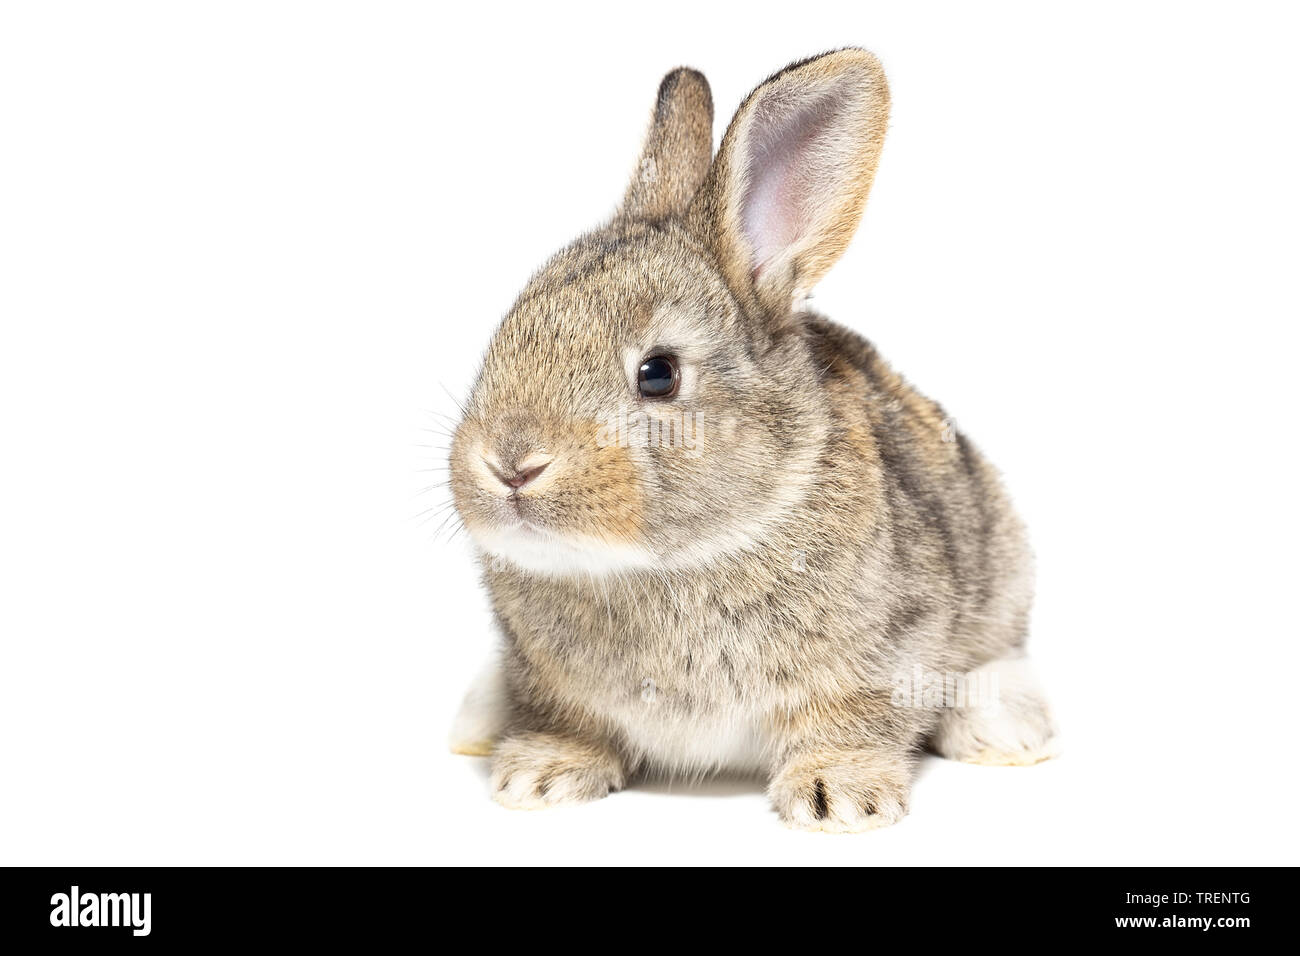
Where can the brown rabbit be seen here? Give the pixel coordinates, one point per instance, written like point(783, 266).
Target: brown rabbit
point(718, 531)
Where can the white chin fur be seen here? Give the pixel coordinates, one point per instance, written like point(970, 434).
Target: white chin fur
point(544, 552)
point(547, 553)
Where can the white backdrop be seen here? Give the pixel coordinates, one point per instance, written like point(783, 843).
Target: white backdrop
point(247, 250)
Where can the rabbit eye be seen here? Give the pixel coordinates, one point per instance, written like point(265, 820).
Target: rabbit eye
point(658, 377)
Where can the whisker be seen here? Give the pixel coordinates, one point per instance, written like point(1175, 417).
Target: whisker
point(453, 398)
point(452, 514)
point(431, 512)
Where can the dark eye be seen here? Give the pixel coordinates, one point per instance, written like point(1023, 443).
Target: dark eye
point(658, 377)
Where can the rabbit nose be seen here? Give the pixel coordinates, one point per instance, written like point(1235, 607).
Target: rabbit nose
point(521, 478)
point(515, 475)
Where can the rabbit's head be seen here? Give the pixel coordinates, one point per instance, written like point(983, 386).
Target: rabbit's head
point(651, 401)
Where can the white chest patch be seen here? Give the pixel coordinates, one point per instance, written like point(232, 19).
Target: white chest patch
point(732, 741)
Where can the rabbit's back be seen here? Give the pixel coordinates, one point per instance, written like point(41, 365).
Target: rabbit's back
point(957, 548)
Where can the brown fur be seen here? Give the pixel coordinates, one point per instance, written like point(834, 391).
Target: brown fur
point(826, 534)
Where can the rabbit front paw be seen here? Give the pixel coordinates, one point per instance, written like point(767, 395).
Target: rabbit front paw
point(535, 770)
point(841, 792)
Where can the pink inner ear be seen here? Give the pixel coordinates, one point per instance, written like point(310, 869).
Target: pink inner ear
point(790, 157)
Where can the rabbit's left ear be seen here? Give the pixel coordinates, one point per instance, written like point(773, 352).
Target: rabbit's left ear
point(786, 191)
point(677, 149)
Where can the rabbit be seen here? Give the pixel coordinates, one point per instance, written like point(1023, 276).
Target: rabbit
point(718, 532)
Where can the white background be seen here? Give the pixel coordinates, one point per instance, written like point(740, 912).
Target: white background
point(246, 250)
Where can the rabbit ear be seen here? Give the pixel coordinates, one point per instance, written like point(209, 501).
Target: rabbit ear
point(786, 192)
point(677, 149)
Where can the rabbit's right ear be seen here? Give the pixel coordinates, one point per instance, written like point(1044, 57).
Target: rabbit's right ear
point(786, 191)
point(678, 147)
